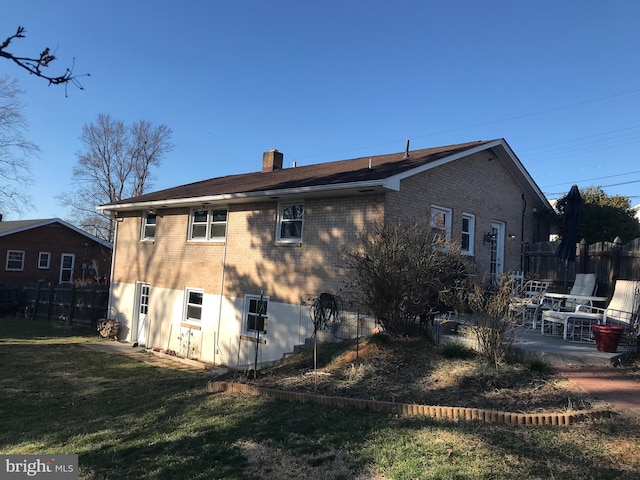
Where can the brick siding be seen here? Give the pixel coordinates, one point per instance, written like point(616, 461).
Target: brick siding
point(56, 239)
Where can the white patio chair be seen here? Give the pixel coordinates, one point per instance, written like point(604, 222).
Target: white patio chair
point(527, 302)
point(621, 311)
point(584, 285)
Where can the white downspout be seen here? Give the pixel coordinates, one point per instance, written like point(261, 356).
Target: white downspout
point(113, 268)
point(224, 263)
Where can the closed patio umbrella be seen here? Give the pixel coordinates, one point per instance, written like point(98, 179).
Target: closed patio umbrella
point(567, 248)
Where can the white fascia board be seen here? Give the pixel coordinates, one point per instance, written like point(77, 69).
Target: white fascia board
point(24, 228)
point(231, 197)
point(50, 221)
point(523, 171)
point(101, 241)
point(496, 143)
point(443, 161)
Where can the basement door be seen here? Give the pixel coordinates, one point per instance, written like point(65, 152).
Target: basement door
point(497, 251)
point(140, 323)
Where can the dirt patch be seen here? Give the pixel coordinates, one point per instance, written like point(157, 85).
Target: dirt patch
point(416, 371)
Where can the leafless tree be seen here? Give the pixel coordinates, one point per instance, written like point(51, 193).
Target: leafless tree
point(36, 64)
point(15, 150)
point(115, 164)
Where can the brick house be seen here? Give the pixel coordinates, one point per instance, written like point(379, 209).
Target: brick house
point(50, 250)
point(192, 262)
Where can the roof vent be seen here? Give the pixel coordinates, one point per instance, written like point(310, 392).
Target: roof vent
point(406, 152)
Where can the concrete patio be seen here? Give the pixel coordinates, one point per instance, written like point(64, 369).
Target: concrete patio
point(556, 351)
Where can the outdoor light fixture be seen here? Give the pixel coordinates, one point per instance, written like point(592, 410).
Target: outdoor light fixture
point(512, 236)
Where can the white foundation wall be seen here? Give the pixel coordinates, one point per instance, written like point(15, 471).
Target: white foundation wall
point(219, 338)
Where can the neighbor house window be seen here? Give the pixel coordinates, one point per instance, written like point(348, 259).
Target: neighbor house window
point(255, 313)
point(44, 260)
point(290, 219)
point(148, 226)
point(15, 260)
point(441, 223)
point(193, 305)
point(208, 225)
point(468, 233)
point(67, 262)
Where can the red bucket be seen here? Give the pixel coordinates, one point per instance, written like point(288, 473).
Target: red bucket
point(607, 337)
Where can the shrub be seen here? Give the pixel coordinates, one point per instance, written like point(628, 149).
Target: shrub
point(398, 271)
point(493, 322)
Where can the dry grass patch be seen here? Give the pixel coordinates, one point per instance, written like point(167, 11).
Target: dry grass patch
point(415, 371)
point(268, 462)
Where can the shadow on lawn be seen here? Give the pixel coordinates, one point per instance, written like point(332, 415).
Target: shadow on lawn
point(128, 419)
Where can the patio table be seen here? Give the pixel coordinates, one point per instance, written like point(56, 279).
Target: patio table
point(563, 297)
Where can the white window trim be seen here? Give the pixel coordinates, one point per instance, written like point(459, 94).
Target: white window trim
point(73, 264)
point(245, 314)
point(143, 229)
point(210, 223)
point(447, 219)
point(472, 232)
point(48, 257)
point(279, 239)
point(185, 318)
point(23, 255)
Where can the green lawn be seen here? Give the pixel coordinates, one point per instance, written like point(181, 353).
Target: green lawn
point(131, 420)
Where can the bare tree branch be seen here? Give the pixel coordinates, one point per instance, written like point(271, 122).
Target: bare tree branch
point(34, 65)
point(15, 149)
point(115, 164)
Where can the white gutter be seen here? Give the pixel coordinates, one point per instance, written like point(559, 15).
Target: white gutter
point(387, 183)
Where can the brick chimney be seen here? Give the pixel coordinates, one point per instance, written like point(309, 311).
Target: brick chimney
point(272, 160)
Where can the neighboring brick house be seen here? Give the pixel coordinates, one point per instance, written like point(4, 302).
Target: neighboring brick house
point(50, 250)
point(191, 262)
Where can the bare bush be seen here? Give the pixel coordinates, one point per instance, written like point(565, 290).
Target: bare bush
point(399, 272)
point(493, 324)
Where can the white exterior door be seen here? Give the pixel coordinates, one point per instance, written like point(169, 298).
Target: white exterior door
point(67, 262)
point(497, 250)
point(140, 323)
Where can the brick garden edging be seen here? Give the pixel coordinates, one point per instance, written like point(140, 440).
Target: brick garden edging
point(409, 409)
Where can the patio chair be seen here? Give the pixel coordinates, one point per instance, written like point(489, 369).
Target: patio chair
point(583, 286)
point(621, 311)
point(527, 302)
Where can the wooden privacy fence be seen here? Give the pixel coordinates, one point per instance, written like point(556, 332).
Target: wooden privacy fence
point(82, 306)
point(8, 298)
point(610, 261)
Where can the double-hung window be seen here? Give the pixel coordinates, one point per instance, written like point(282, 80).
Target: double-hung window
point(290, 220)
point(15, 260)
point(255, 314)
point(441, 223)
point(148, 227)
point(44, 260)
point(208, 225)
point(193, 298)
point(468, 233)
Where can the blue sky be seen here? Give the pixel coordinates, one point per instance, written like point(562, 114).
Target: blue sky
point(329, 80)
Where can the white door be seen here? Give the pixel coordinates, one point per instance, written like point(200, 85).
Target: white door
point(140, 323)
point(497, 250)
point(67, 262)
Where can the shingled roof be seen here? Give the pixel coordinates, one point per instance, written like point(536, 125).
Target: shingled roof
point(16, 226)
point(360, 172)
